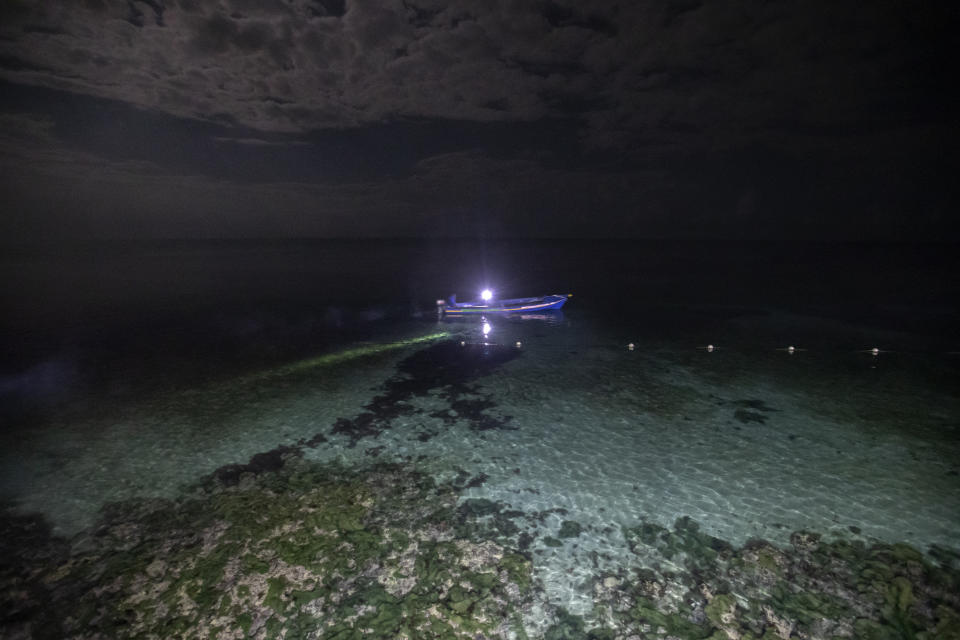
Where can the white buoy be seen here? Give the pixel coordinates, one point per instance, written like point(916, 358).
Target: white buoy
point(875, 351)
point(791, 349)
point(462, 343)
point(519, 344)
point(710, 348)
point(631, 346)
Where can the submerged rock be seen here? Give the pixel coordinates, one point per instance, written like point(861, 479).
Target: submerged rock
point(815, 589)
point(259, 463)
point(446, 369)
point(283, 547)
point(300, 550)
point(569, 529)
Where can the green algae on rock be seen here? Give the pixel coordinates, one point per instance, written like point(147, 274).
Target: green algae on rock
point(816, 589)
point(570, 529)
point(283, 547)
point(302, 550)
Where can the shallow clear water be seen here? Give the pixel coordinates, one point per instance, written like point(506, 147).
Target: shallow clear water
point(135, 371)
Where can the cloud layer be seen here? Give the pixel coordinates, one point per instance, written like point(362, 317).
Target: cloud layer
point(413, 116)
point(630, 69)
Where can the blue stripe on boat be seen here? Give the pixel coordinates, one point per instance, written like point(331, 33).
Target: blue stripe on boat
point(514, 305)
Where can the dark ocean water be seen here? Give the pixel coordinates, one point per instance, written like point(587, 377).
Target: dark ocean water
point(108, 319)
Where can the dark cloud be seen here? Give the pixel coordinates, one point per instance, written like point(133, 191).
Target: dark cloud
point(728, 64)
point(137, 15)
point(560, 16)
point(334, 8)
point(216, 34)
point(663, 115)
point(335, 64)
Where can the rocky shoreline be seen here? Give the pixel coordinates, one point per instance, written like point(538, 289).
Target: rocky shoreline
point(288, 548)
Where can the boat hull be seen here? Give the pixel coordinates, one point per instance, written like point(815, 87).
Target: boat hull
point(515, 305)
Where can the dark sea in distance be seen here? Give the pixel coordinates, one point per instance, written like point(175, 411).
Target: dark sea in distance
point(104, 320)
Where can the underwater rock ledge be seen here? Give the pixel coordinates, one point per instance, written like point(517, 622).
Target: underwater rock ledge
point(287, 548)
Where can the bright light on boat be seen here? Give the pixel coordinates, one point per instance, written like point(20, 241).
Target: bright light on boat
point(486, 329)
point(486, 294)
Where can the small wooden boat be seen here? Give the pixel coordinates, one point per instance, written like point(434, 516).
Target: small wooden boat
point(513, 305)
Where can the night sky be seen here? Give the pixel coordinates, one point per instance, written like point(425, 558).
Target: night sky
point(330, 118)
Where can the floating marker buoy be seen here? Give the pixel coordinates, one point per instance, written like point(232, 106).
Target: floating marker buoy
point(710, 348)
point(875, 351)
point(462, 343)
point(791, 349)
point(519, 344)
point(631, 346)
